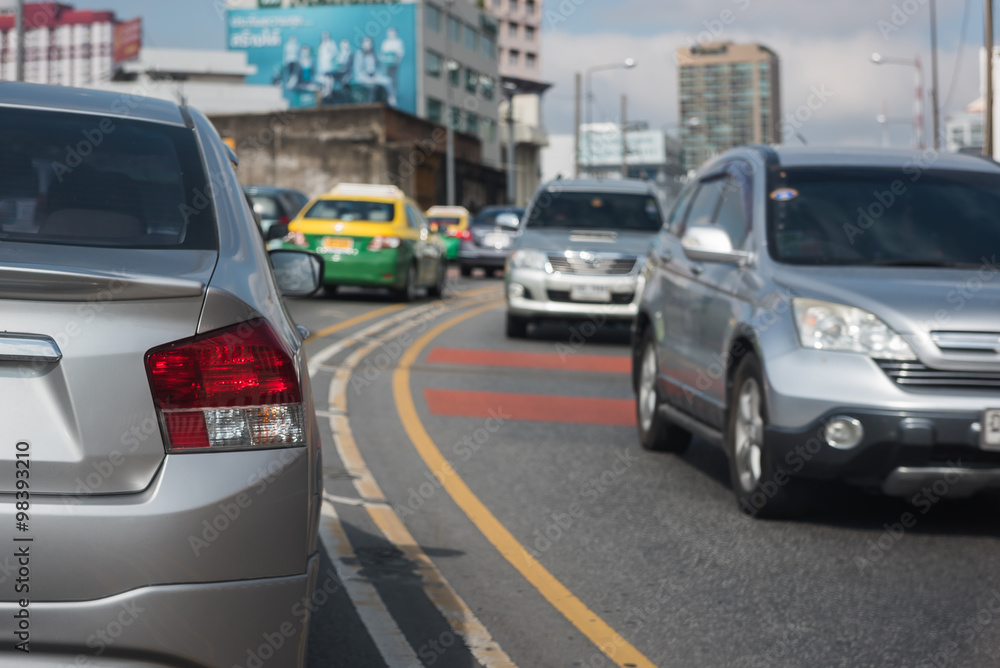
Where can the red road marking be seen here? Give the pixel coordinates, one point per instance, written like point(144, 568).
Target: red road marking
point(531, 407)
point(570, 362)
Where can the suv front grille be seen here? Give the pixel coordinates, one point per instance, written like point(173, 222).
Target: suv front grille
point(914, 375)
point(596, 266)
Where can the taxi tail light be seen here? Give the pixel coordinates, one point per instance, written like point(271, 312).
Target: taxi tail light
point(378, 243)
point(465, 235)
point(233, 388)
point(297, 239)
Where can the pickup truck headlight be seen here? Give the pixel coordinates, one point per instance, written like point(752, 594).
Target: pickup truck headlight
point(828, 326)
point(529, 259)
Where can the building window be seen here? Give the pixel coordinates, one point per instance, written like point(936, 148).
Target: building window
point(471, 38)
point(456, 118)
point(512, 30)
point(489, 47)
point(487, 87)
point(435, 110)
point(529, 60)
point(454, 74)
point(529, 33)
point(471, 80)
point(529, 7)
point(513, 56)
point(433, 63)
point(496, 4)
point(512, 6)
point(432, 17)
point(471, 123)
point(454, 29)
point(488, 130)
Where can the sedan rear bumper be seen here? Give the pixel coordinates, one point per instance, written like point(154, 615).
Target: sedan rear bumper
point(247, 622)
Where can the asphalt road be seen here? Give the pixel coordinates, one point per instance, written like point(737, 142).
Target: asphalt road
point(541, 453)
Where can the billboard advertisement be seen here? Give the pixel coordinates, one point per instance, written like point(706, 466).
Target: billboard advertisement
point(128, 40)
point(330, 55)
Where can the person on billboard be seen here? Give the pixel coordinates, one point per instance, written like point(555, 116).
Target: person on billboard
point(391, 55)
point(368, 75)
point(344, 65)
point(305, 67)
point(326, 55)
point(290, 63)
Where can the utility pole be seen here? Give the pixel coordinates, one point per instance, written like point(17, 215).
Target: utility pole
point(19, 29)
point(988, 121)
point(511, 177)
point(576, 128)
point(624, 142)
point(449, 149)
point(934, 76)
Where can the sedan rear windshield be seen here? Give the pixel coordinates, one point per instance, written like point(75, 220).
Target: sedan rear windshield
point(888, 217)
point(602, 211)
point(488, 217)
point(84, 180)
point(350, 211)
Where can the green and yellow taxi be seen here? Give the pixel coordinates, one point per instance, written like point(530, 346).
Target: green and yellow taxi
point(452, 222)
point(371, 236)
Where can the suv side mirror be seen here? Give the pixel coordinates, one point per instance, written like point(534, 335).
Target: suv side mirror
point(704, 243)
point(508, 220)
point(299, 273)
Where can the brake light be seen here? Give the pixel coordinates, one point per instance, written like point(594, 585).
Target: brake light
point(378, 243)
point(284, 220)
point(234, 388)
point(297, 239)
point(465, 235)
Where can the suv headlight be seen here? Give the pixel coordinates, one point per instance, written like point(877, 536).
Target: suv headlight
point(829, 326)
point(529, 259)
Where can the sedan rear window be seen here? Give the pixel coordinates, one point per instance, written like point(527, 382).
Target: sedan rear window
point(87, 180)
point(602, 211)
point(266, 207)
point(350, 211)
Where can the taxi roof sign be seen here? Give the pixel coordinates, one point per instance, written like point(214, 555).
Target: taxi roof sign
point(366, 189)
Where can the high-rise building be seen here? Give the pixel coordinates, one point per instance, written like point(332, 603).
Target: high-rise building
point(67, 46)
point(519, 41)
point(729, 95)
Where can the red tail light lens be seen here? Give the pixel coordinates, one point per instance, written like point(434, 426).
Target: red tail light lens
point(465, 235)
point(297, 239)
point(235, 387)
point(284, 220)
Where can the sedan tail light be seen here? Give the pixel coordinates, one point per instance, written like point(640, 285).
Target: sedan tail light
point(378, 243)
point(297, 239)
point(232, 388)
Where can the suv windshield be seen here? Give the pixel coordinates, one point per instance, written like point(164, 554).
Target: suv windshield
point(88, 180)
point(602, 211)
point(350, 211)
point(889, 217)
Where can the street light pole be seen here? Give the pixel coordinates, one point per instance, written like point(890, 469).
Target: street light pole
point(448, 129)
point(918, 87)
point(988, 121)
point(19, 29)
point(624, 143)
point(510, 90)
point(934, 77)
point(626, 64)
point(576, 127)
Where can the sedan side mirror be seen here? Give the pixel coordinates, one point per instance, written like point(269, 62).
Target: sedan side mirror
point(705, 243)
point(299, 273)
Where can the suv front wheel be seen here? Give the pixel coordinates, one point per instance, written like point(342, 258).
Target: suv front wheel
point(763, 489)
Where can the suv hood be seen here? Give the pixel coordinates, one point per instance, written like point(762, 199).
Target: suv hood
point(558, 240)
point(910, 300)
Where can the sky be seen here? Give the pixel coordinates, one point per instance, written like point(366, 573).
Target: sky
point(823, 46)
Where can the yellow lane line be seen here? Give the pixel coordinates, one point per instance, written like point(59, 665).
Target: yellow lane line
point(364, 317)
point(609, 641)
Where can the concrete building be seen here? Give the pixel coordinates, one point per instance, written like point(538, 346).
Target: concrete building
point(212, 81)
point(520, 45)
point(729, 95)
point(314, 149)
point(64, 46)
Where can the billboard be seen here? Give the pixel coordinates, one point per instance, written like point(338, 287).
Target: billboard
point(128, 40)
point(330, 55)
point(601, 146)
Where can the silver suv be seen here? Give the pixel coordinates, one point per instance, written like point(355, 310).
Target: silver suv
point(580, 252)
point(828, 316)
point(160, 478)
